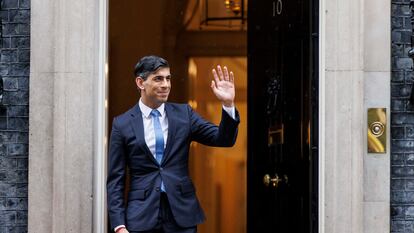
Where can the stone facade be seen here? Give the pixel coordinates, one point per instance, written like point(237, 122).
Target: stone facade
point(402, 126)
point(14, 114)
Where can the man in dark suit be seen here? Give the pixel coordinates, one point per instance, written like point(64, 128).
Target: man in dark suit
point(153, 140)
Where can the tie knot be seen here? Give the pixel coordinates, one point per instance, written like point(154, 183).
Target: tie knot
point(155, 113)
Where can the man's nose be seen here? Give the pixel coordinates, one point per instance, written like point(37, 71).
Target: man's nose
point(165, 83)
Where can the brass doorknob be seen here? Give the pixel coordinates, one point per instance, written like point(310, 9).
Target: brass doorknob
point(267, 180)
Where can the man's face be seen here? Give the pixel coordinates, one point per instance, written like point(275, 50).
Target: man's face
point(156, 88)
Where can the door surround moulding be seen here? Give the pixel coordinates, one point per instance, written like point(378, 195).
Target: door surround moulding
point(321, 120)
point(100, 220)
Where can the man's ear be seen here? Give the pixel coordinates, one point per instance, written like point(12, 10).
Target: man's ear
point(140, 82)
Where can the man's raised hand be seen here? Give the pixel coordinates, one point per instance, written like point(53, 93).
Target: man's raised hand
point(223, 86)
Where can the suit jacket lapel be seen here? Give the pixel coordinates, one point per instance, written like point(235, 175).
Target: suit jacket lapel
point(138, 126)
point(171, 130)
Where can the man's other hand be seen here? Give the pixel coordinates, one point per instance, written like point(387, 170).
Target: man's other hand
point(122, 230)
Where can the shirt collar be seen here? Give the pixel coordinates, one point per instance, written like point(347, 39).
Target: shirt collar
point(147, 110)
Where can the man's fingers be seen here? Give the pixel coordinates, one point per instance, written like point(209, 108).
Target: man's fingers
point(231, 77)
point(213, 85)
point(220, 72)
point(226, 74)
point(215, 75)
point(123, 230)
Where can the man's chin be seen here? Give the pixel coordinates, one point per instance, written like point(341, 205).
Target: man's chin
point(162, 100)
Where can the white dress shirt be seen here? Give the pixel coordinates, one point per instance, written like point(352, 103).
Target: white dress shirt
point(149, 125)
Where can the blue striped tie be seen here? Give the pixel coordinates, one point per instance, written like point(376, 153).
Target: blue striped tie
point(159, 139)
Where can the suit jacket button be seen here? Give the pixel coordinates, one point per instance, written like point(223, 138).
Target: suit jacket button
point(157, 189)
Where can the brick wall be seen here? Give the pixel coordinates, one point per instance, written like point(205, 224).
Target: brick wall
point(14, 112)
point(402, 121)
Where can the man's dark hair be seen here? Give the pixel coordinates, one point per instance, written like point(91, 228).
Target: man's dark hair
point(148, 65)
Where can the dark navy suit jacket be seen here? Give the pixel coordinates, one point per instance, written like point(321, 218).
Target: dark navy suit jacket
point(128, 148)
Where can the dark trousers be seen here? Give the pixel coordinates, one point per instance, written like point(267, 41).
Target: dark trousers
point(166, 222)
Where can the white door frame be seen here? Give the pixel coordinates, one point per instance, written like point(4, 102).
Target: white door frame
point(321, 120)
point(100, 220)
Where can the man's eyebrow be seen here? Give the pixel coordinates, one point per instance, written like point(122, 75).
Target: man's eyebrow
point(160, 76)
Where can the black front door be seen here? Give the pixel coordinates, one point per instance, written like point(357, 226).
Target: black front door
point(282, 116)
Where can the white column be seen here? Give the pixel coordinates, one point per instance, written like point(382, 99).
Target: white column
point(64, 90)
point(341, 116)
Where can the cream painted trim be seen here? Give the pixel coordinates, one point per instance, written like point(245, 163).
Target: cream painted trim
point(100, 220)
point(321, 134)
